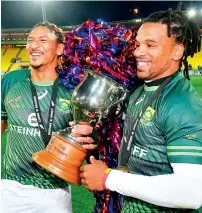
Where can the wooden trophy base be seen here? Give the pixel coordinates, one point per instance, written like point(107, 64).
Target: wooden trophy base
point(62, 158)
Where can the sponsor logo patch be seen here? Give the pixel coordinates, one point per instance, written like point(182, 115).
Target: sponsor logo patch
point(14, 102)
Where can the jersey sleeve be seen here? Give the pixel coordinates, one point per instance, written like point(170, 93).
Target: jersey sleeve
point(7, 82)
point(4, 89)
point(186, 149)
point(182, 126)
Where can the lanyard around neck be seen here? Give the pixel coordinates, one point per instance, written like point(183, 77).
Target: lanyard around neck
point(126, 145)
point(45, 134)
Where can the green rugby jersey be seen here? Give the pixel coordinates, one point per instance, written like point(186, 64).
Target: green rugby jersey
point(24, 137)
point(169, 131)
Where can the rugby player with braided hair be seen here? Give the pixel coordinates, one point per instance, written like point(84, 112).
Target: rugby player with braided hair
point(160, 161)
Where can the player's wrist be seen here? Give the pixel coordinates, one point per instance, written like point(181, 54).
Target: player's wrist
point(104, 178)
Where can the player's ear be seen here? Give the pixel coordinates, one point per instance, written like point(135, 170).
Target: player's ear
point(60, 49)
point(178, 52)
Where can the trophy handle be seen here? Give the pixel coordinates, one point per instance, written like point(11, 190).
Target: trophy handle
point(106, 112)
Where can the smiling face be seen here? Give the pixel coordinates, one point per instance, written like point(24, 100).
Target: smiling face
point(43, 48)
point(156, 54)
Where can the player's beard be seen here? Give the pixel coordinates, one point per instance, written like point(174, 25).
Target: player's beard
point(35, 66)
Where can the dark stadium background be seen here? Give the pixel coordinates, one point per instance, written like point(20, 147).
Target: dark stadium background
point(25, 14)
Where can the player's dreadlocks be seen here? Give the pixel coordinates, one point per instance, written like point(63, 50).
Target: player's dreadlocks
point(53, 28)
point(185, 29)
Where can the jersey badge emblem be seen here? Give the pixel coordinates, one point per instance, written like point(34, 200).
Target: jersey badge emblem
point(64, 105)
point(147, 117)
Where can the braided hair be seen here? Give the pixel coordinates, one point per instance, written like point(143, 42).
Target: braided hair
point(53, 28)
point(185, 30)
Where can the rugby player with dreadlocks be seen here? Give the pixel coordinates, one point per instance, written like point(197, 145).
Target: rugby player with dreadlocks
point(160, 161)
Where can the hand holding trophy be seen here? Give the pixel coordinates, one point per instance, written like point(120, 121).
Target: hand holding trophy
point(92, 100)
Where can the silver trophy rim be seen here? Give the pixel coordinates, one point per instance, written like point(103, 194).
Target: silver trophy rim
point(108, 78)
